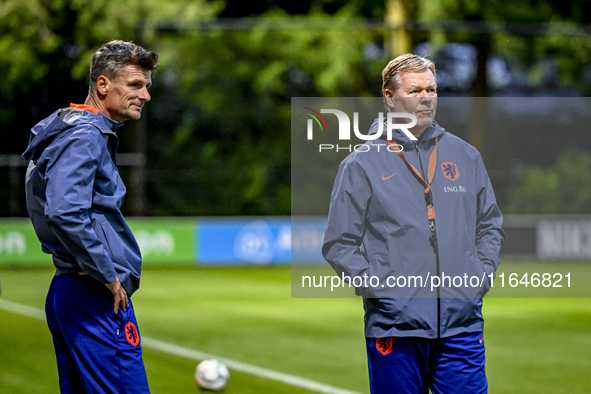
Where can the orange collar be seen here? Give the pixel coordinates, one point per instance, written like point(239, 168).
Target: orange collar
point(85, 107)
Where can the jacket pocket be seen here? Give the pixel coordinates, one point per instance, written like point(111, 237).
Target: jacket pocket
point(484, 276)
point(109, 238)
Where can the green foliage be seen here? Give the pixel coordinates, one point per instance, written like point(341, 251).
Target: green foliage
point(236, 134)
point(561, 50)
point(31, 29)
point(25, 37)
point(219, 122)
point(564, 187)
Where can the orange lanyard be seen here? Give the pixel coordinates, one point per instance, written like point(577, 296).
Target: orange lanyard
point(430, 172)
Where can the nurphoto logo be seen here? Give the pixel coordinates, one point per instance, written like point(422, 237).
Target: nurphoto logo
point(345, 127)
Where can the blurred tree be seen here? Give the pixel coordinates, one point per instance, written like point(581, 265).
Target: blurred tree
point(236, 138)
point(46, 47)
point(365, 8)
point(545, 59)
point(531, 35)
point(564, 187)
point(218, 127)
point(219, 124)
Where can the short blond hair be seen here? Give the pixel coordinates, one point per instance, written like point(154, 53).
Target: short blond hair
point(407, 63)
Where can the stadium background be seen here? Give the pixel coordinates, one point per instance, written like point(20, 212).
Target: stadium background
point(208, 170)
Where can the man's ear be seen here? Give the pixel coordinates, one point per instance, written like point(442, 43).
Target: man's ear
point(389, 98)
point(103, 84)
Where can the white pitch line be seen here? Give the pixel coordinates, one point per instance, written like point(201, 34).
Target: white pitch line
point(22, 309)
point(196, 355)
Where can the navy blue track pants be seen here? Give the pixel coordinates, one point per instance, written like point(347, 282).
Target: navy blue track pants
point(453, 365)
point(96, 350)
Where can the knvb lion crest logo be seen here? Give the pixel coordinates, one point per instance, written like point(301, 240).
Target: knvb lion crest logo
point(384, 345)
point(131, 334)
point(450, 170)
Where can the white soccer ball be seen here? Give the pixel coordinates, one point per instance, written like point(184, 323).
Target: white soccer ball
point(212, 375)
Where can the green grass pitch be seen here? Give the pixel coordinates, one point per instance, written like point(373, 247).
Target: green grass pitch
point(246, 314)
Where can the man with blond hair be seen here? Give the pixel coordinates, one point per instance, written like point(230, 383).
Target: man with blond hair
point(74, 196)
point(420, 211)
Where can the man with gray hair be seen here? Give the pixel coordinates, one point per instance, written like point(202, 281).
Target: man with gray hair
point(403, 227)
point(74, 196)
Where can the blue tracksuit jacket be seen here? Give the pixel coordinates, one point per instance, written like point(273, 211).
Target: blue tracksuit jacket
point(378, 226)
point(74, 195)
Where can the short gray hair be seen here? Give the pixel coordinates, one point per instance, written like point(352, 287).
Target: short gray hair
point(110, 58)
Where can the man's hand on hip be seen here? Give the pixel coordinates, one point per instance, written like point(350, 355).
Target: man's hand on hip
point(121, 300)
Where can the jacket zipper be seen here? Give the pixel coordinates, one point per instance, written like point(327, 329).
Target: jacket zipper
point(429, 200)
